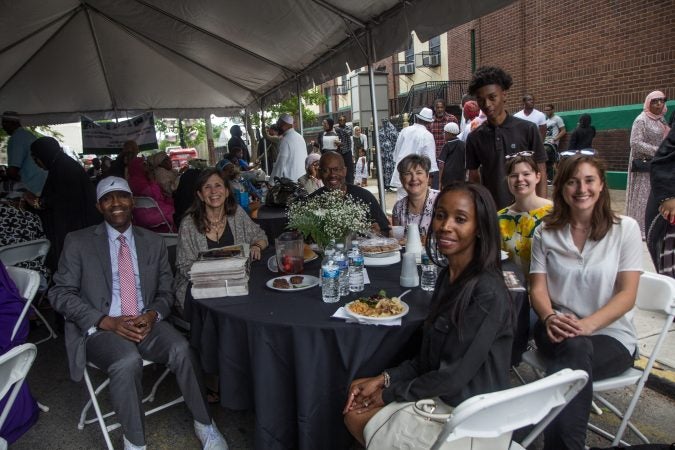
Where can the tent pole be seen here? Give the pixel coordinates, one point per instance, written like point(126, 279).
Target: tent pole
point(262, 128)
point(376, 122)
point(297, 88)
point(210, 148)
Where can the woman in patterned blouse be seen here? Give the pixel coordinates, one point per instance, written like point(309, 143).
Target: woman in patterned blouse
point(518, 221)
point(418, 205)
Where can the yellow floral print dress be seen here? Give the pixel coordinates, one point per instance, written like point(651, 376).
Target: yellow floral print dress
point(517, 229)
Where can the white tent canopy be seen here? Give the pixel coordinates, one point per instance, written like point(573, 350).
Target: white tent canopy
point(101, 58)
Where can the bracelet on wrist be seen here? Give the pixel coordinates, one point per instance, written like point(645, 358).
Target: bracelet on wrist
point(548, 317)
point(387, 379)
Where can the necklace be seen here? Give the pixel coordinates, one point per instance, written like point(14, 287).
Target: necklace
point(409, 213)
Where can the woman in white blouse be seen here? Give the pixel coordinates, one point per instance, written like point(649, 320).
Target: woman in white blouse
point(585, 267)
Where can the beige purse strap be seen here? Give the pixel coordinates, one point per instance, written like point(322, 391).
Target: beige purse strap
point(426, 408)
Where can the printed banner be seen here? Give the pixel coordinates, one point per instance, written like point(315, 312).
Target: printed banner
point(106, 138)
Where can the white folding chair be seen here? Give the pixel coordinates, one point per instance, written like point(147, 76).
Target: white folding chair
point(150, 203)
point(14, 366)
point(100, 417)
point(490, 419)
point(28, 281)
point(656, 293)
point(13, 254)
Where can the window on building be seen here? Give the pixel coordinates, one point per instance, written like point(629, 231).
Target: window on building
point(435, 45)
point(410, 51)
point(329, 98)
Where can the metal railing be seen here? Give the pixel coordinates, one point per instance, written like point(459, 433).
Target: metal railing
point(424, 94)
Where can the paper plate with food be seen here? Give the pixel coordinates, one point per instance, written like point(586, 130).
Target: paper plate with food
point(377, 307)
point(379, 247)
point(292, 283)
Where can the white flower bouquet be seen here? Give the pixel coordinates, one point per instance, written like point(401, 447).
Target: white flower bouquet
point(330, 215)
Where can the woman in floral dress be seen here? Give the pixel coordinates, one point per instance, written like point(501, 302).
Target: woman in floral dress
point(518, 221)
point(649, 130)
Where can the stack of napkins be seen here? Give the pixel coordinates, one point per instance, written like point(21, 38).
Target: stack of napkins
point(342, 314)
point(220, 272)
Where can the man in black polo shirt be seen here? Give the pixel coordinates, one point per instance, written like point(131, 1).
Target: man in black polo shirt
point(332, 171)
point(488, 146)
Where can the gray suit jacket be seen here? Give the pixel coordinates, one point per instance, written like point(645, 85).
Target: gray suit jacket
point(82, 290)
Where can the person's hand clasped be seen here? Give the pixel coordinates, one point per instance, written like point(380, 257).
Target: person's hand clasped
point(133, 328)
point(667, 210)
point(562, 326)
point(364, 394)
point(255, 253)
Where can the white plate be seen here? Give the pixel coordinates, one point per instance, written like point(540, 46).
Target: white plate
point(308, 282)
point(387, 261)
point(406, 309)
point(381, 254)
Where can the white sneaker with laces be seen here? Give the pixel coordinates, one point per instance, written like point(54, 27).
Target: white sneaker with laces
point(129, 446)
point(210, 437)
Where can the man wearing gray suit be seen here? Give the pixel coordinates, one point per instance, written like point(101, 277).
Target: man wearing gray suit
point(114, 288)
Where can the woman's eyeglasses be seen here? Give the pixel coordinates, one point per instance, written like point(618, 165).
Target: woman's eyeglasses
point(659, 100)
point(515, 155)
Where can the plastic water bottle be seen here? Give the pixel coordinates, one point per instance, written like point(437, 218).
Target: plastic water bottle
point(342, 261)
point(429, 273)
point(330, 280)
point(327, 256)
point(355, 268)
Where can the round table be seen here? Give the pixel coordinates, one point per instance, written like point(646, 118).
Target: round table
point(282, 355)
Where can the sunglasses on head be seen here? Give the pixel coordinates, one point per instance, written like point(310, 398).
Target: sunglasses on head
point(514, 155)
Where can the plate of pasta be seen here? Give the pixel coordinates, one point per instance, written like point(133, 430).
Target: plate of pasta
point(377, 307)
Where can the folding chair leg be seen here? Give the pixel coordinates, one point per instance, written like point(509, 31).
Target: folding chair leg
point(52, 333)
point(94, 402)
point(616, 439)
point(151, 397)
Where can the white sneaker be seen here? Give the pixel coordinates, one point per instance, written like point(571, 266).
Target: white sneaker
point(129, 446)
point(210, 437)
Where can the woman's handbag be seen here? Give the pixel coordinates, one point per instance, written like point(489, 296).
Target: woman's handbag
point(640, 165)
point(418, 425)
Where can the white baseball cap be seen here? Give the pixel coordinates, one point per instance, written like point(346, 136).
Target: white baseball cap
point(110, 184)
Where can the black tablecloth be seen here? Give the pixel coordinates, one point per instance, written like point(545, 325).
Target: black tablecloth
point(272, 220)
point(280, 354)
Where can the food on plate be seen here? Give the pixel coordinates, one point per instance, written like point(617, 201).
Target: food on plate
point(308, 254)
point(281, 283)
point(379, 245)
point(296, 279)
point(378, 305)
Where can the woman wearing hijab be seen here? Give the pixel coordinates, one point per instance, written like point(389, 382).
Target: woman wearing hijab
point(68, 201)
point(237, 142)
point(310, 180)
point(649, 130)
point(583, 134)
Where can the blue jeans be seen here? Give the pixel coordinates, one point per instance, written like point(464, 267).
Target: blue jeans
point(601, 357)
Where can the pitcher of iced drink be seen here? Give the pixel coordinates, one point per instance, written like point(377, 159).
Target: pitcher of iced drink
point(290, 252)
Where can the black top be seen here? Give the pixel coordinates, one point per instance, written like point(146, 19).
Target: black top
point(487, 146)
point(376, 214)
point(458, 363)
point(582, 138)
point(227, 238)
point(453, 156)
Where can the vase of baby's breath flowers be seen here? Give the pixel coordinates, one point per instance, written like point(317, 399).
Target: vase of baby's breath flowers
point(330, 215)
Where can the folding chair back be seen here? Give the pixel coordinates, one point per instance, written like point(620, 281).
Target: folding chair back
point(498, 414)
point(150, 203)
point(27, 282)
point(14, 366)
point(13, 254)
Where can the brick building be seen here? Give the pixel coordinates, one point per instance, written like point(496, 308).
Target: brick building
point(601, 57)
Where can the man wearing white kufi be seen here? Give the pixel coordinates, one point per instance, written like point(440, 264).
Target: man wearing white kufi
point(292, 151)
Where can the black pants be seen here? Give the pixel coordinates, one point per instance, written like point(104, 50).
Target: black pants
point(601, 357)
point(552, 159)
point(349, 164)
